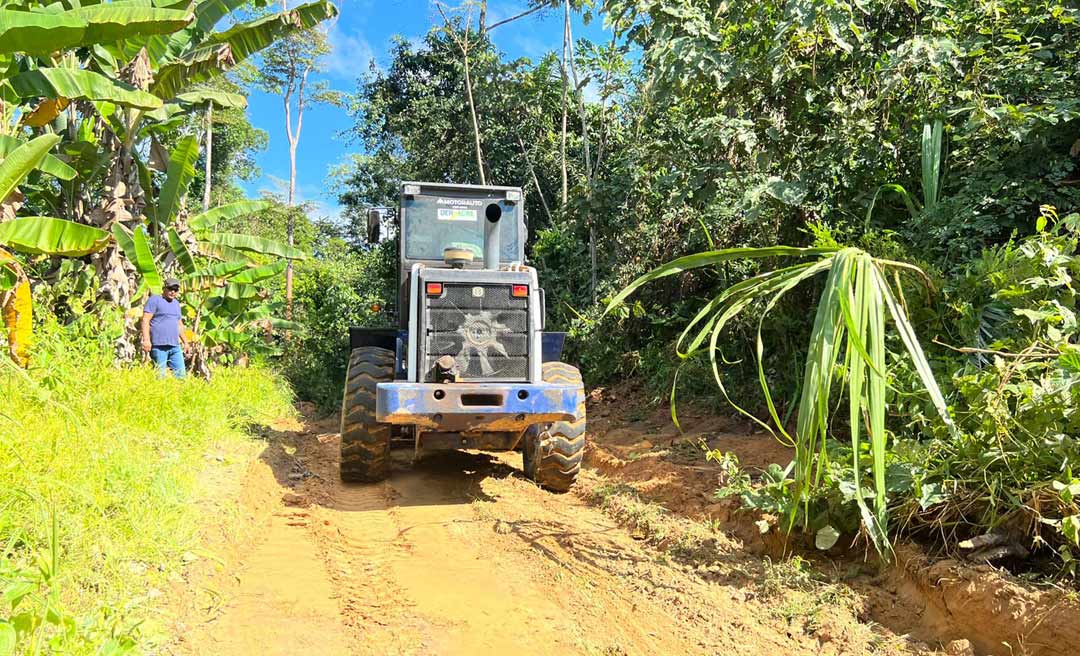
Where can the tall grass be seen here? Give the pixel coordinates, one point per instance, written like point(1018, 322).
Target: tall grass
point(99, 465)
point(847, 344)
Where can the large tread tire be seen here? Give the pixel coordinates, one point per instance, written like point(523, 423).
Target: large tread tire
point(552, 453)
point(365, 443)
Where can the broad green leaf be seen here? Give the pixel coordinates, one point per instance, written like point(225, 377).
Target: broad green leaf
point(208, 219)
point(224, 269)
point(181, 171)
point(144, 259)
point(22, 160)
point(49, 164)
point(46, 235)
point(789, 193)
point(225, 49)
point(228, 337)
point(180, 250)
point(81, 84)
point(259, 273)
point(217, 98)
point(39, 33)
point(252, 244)
point(238, 292)
point(125, 240)
point(116, 21)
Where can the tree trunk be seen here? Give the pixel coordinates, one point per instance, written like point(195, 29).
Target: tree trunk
point(565, 83)
point(209, 154)
point(585, 141)
point(472, 113)
point(290, 226)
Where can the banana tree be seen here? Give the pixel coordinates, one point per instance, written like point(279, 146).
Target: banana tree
point(112, 79)
point(219, 271)
point(35, 235)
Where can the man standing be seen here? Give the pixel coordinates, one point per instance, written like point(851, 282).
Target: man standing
point(163, 330)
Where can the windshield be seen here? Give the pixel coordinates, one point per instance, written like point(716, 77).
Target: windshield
point(433, 223)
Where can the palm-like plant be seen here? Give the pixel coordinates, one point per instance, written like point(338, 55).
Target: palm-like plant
point(847, 342)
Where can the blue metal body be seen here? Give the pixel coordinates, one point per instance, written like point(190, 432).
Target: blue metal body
point(469, 407)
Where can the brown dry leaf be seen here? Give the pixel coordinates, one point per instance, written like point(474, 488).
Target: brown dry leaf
point(16, 308)
point(10, 205)
point(159, 156)
point(138, 71)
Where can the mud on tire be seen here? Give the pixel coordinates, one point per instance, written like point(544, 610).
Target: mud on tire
point(365, 443)
point(552, 453)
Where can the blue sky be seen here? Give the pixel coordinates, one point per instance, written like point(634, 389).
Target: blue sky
point(361, 34)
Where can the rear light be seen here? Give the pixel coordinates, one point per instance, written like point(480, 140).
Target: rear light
point(434, 289)
point(520, 291)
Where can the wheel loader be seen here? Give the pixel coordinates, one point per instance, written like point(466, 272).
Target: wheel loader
point(469, 365)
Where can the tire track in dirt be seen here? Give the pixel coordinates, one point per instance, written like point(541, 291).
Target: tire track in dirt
point(459, 554)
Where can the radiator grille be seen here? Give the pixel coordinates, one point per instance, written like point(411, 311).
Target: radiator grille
point(483, 327)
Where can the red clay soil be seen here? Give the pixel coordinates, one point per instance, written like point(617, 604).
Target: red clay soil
point(964, 608)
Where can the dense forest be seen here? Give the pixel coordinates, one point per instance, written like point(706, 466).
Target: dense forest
point(939, 137)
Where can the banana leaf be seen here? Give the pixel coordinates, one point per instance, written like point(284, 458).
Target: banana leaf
point(225, 49)
point(251, 276)
point(217, 98)
point(39, 34)
point(50, 164)
point(238, 292)
point(181, 171)
point(81, 84)
point(252, 244)
point(144, 259)
point(46, 235)
point(208, 219)
point(226, 337)
point(117, 21)
point(180, 250)
point(224, 253)
point(223, 269)
point(18, 164)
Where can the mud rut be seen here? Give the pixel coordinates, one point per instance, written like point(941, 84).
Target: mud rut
point(459, 554)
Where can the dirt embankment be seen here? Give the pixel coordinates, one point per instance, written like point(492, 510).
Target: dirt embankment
point(946, 602)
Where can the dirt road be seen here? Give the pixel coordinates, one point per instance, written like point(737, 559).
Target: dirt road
point(459, 554)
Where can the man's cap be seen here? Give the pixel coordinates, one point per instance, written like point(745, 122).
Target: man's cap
point(172, 282)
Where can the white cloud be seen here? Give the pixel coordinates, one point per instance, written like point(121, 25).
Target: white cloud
point(351, 54)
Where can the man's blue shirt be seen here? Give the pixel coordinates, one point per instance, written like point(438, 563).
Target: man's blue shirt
point(165, 322)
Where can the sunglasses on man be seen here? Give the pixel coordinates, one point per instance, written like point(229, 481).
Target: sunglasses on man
point(174, 288)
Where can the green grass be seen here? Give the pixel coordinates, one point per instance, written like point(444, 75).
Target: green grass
point(110, 457)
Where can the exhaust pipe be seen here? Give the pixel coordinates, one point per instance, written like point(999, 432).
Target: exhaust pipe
point(492, 236)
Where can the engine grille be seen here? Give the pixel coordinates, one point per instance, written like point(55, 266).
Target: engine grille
point(483, 327)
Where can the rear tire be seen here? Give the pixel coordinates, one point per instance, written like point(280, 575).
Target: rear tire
point(365, 443)
point(552, 453)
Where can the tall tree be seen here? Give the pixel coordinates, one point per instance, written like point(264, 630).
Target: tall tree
point(287, 69)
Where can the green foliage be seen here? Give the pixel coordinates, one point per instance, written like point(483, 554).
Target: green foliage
point(335, 290)
point(1015, 394)
point(100, 467)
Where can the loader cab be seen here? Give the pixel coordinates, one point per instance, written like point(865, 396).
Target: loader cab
point(434, 217)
